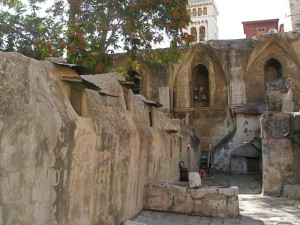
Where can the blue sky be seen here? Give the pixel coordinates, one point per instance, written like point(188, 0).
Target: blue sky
point(233, 12)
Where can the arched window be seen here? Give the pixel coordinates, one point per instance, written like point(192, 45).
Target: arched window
point(199, 12)
point(200, 82)
point(189, 12)
point(204, 11)
point(194, 12)
point(273, 70)
point(194, 33)
point(135, 78)
point(202, 33)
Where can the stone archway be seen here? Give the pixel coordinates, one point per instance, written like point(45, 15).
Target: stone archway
point(268, 71)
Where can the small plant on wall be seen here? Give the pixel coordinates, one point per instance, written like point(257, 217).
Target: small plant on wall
point(256, 144)
point(294, 136)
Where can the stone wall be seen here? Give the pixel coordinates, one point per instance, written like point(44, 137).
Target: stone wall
point(280, 155)
point(294, 14)
point(245, 77)
point(246, 128)
point(60, 168)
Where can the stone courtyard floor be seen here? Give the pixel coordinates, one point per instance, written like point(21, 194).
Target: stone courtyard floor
point(255, 209)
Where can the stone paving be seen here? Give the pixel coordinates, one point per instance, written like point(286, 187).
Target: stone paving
point(255, 209)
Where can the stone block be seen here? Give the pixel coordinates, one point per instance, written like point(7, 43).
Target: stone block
point(194, 180)
point(211, 201)
point(129, 222)
point(233, 190)
point(291, 191)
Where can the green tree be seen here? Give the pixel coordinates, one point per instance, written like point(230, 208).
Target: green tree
point(92, 29)
point(24, 31)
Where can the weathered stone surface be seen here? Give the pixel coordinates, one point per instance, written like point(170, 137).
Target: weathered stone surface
point(279, 161)
point(211, 201)
point(248, 127)
point(194, 180)
point(236, 72)
point(291, 191)
point(57, 167)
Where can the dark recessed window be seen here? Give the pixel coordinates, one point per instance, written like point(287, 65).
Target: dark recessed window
point(76, 99)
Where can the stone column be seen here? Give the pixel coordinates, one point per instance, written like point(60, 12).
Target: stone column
point(277, 153)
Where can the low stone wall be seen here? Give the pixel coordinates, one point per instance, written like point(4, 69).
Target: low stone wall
point(179, 198)
point(291, 191)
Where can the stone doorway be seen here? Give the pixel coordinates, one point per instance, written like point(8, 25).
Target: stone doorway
point(253, 165)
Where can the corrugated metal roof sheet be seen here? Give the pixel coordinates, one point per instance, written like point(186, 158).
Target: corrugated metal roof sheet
point(152, 103)
point(81, 70)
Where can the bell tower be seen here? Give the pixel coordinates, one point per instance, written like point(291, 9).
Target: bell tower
point(204, 23)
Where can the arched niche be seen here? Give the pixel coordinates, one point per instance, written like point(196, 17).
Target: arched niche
point(275, 85)
point(270, 64)
point(185, 75)
point(273, 70)
point(200, 86)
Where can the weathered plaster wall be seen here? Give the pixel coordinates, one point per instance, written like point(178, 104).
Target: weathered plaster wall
point(60, 168)
point(279, 153)
point(247, 127)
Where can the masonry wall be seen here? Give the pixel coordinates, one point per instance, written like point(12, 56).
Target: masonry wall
point(294, 13)
point(60, 168)
point(237, 88)
point(280, 155)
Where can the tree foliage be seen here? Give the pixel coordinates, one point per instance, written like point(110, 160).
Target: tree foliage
point(23, 30)
point(90, 30)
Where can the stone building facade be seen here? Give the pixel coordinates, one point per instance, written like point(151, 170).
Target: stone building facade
point(79, 150)
point(204, 23)
point(222, 88)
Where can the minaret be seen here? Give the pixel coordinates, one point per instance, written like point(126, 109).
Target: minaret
point(204, 25)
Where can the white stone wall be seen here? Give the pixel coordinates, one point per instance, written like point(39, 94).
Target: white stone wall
point(248, 127)
point(209, 21)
